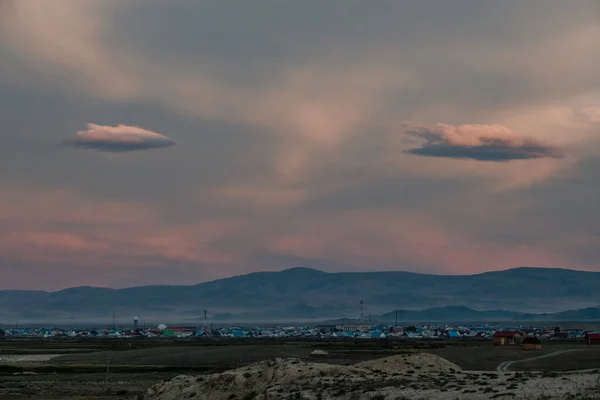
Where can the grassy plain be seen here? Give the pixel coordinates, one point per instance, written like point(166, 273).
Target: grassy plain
point(134, 365)
point(486, 357)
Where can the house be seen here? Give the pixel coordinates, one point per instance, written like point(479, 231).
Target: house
point(506, 338)
point(361, 328)
point(561, 335)
point(531, 343)
point(576, 333)
point(592, 337)
point(453, 334)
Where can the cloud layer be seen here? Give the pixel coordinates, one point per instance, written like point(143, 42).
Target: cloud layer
point(479, 142)
point(117, 139)
point(295, 149)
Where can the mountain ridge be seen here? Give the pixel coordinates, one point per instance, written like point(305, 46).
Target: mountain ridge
point(515, 269)
point(301, 292)
point(459, 314)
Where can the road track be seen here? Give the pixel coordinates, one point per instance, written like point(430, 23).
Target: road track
point(506, 365)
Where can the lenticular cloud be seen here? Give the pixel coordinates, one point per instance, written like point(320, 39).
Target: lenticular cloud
point(117, 139)
point(478, 142)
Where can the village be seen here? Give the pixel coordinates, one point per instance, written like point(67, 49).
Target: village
point(527, 337)
point(140, 361)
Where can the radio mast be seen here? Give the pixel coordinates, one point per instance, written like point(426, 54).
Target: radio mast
point(361, 311)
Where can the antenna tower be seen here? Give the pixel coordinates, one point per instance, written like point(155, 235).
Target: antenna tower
point(205, 324)
point(361, 311)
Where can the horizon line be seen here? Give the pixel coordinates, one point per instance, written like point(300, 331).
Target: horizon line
point(300, 268)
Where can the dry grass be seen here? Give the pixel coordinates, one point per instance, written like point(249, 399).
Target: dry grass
point(588, 358)
point(77, 386)
point(148, 362)
point(487, 357)
point(219, 357)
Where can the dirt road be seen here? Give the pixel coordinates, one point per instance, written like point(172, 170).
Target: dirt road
point(506, 365)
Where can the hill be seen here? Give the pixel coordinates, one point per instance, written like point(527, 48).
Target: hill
point(302, 293)
point(454, 314)
point(466, 314)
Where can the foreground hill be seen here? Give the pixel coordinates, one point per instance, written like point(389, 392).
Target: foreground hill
point(302, 293)
point(408, 376)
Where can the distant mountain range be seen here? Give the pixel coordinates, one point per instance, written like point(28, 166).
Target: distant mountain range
point(466, 314)
point(448, 314)
point(303, 294)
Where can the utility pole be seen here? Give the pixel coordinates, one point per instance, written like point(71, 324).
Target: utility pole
point(205, 324)
point(114, 325)
point(396, 324)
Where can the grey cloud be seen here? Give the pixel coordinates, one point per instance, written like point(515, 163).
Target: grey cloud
point(571, 200)
point(486, 152)
point(590, 114)
point(118, 139)
point(213, 153)
point(479, 142)
point(468, 60)
point(5, 4)
point(494, 50)
point(56, 276)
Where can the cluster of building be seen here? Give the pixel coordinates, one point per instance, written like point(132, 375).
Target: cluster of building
point(499, 335)
point(526, 337)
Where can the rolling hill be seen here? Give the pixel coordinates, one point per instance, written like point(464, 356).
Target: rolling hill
point(301, 293)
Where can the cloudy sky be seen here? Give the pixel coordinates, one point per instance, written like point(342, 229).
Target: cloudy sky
point(433, 136)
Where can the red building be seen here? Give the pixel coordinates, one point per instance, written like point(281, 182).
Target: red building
point(592, 338)
point(502, 338)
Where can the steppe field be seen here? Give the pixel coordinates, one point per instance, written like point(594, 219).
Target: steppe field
point(126, 368)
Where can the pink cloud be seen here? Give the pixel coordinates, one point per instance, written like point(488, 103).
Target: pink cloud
point(117, 139)
point(314, 110)
point(592, 114)
point(68, 39)
point(43, 206)
point(60, 229)
point(63, 226)
point(260, 196)
point(315, 107)
point(392, 241)
point(49, 242)
point(192, 243)
point(478, 142)
point(468, 135)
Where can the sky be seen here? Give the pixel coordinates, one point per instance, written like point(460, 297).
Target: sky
point(432, 136)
